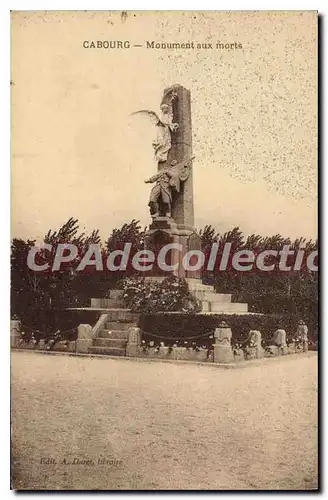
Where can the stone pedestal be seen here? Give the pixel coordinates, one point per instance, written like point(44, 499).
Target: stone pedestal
point(302, 333)
point(134, 339)
point(15, 336)
point(222, 348)
point(164, 231)
point(279, 340)
point(163, 351)
point(84, 338)
point(223, 354)
point(42, 345)
point(255, 339)
point(179, 229)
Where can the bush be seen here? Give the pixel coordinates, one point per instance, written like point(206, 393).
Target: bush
point(148, 297)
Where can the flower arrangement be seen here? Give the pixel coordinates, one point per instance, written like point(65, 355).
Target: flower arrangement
point(152, 347)
point(34, 340)
point(238, 349)
point(249, 353)
point(25, 337)
point(147, 297)
point(269, 349)
point(44, 340)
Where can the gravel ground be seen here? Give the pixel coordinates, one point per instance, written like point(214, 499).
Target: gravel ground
point(163, 425)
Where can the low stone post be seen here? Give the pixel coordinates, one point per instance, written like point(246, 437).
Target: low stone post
point(134, 338)
point(84, 338)
point(15, 336)
point(222, 348)
point(42, 345)
point(255, 338)
point(302, 333)
point(163, 350)
point(279, 339)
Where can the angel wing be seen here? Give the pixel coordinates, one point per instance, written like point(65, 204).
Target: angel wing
point(150, 114)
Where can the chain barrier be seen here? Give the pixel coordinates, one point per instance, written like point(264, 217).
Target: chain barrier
point(164, 337)
point(161, 337)
point(34, 330)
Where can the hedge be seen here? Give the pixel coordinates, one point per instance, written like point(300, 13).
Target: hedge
point(178, 327)
point(46, 324)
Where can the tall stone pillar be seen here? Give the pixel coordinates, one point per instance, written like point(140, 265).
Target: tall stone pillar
point(180, 227)
point(183, 204)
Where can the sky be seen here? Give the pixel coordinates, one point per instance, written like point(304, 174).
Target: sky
point(78, 152)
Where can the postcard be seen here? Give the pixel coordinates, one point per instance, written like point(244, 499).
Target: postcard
point(164, 254)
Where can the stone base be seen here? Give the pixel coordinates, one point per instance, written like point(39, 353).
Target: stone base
point(255, 353)
point(162, 222)
point(15, 340)
point(239, 358)
point(82, 345)
point(163, 231)
point(223, 354)
point(84, 338)
point(132, 350)
point(15, 336)
point(259, 352)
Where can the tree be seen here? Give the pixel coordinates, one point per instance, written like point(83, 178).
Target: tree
point(128, 233)
point(34, 295)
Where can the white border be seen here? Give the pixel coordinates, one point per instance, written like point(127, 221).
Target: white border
point(5, 7)
point(164, 5)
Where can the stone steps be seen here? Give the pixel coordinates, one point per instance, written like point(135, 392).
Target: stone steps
point(118, 325)
point(107, 342)
point(112, 338)
point(115, 294)
point(113, 313)
point(201, 288)
point(121, 315)
point(111, 351)
point(213, 301)
point(111, 303)
point(113, 334)
point(225, 307)
point(212, 296)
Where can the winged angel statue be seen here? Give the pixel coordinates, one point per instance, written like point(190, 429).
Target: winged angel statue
point(168, 178)
point(164, 125)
